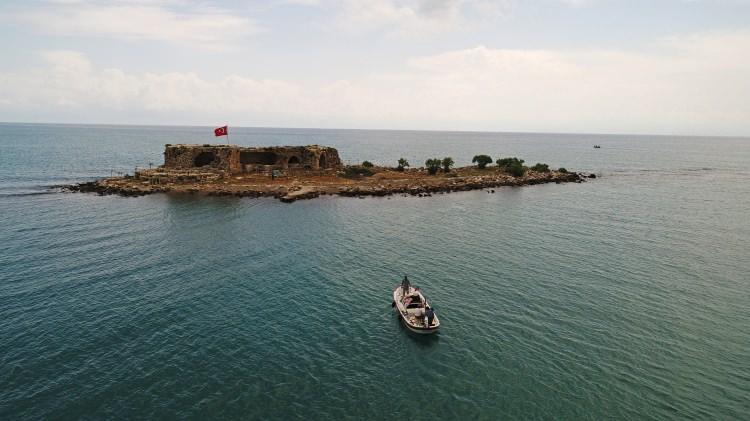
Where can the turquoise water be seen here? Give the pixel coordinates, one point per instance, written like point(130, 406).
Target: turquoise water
point(622, 298)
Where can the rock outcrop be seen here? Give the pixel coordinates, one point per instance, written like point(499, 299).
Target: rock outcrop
point(303, 186)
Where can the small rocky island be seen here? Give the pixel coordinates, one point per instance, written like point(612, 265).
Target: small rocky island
point(292, 173)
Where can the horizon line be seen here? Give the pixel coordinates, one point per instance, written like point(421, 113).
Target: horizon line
point(381, 129)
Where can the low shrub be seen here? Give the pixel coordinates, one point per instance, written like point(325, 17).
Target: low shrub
point(356, 171)
point(539, 167)
point(367, 164)
point(512, 166)
point(516, 169)
point(563, 170)
point(507, 162)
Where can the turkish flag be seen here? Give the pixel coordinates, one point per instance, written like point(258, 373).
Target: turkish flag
point(221, 131)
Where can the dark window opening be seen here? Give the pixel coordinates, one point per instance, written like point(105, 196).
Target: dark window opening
point(322, 163)
point(293, 161)
point(204, 158)
point(264, 158)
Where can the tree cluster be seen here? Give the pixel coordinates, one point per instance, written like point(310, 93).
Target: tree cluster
point(539, 167)
point(433, 165)
point(511, 165)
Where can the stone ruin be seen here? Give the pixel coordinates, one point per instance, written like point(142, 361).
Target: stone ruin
point(241, 159)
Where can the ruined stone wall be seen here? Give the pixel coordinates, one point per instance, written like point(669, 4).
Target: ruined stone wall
point(329, 158)
point(237, 159)
point(197, 156)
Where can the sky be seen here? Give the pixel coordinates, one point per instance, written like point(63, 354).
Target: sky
point(580, 66)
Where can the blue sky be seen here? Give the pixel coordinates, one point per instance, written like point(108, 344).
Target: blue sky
point(659, 66)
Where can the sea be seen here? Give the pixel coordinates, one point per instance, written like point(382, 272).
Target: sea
point(625, 297)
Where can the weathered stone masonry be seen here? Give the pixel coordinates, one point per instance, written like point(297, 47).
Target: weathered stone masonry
point(238, 159)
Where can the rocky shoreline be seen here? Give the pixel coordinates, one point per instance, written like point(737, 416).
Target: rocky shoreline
point(385, 182)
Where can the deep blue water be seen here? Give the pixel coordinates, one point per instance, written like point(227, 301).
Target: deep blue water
point(622, 298)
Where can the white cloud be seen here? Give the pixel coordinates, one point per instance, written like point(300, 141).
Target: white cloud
point(415, 16)
point(690, 84)
point(577, 3)
point(195, 24)
point(404, 17)
point(200, 26)
point(300, 2)
point(69, 80)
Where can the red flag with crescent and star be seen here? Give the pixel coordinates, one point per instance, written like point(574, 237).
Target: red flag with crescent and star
point(221, 131)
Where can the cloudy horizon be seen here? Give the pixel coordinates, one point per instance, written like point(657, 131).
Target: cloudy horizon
point(581, 66)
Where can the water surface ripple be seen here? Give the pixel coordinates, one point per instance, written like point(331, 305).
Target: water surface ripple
point(623, 298)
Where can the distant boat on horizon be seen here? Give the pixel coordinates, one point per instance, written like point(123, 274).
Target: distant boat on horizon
point(597, 146)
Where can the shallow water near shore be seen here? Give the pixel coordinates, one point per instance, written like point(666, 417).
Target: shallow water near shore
point(621, 298)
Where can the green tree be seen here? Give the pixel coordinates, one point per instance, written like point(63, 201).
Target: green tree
point(367, 164)
point(516, 169)
point(447, 163)
point(512, 166)
point(563, 170)
point(481, 161)
point(402, 163)
point(433, 165)
point(539, 167)
point(505, 163)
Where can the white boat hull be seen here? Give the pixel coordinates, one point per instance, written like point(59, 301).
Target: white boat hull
point(421, 331)
point(412, 321)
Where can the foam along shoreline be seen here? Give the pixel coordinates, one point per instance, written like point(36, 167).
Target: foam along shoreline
point(308, 185)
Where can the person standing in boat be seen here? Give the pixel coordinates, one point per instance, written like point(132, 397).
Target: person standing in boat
point(405, 285)
point(429, 315)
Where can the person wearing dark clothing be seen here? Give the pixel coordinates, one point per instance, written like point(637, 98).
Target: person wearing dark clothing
point(405, 285)
point(430, 315)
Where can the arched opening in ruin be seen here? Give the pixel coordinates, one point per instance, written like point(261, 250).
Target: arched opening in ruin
point(262, 158)
point(293, 162)
point(204, 158)
point(322, 162)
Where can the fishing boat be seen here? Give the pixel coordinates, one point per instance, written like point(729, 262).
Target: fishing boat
point(413, 308)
